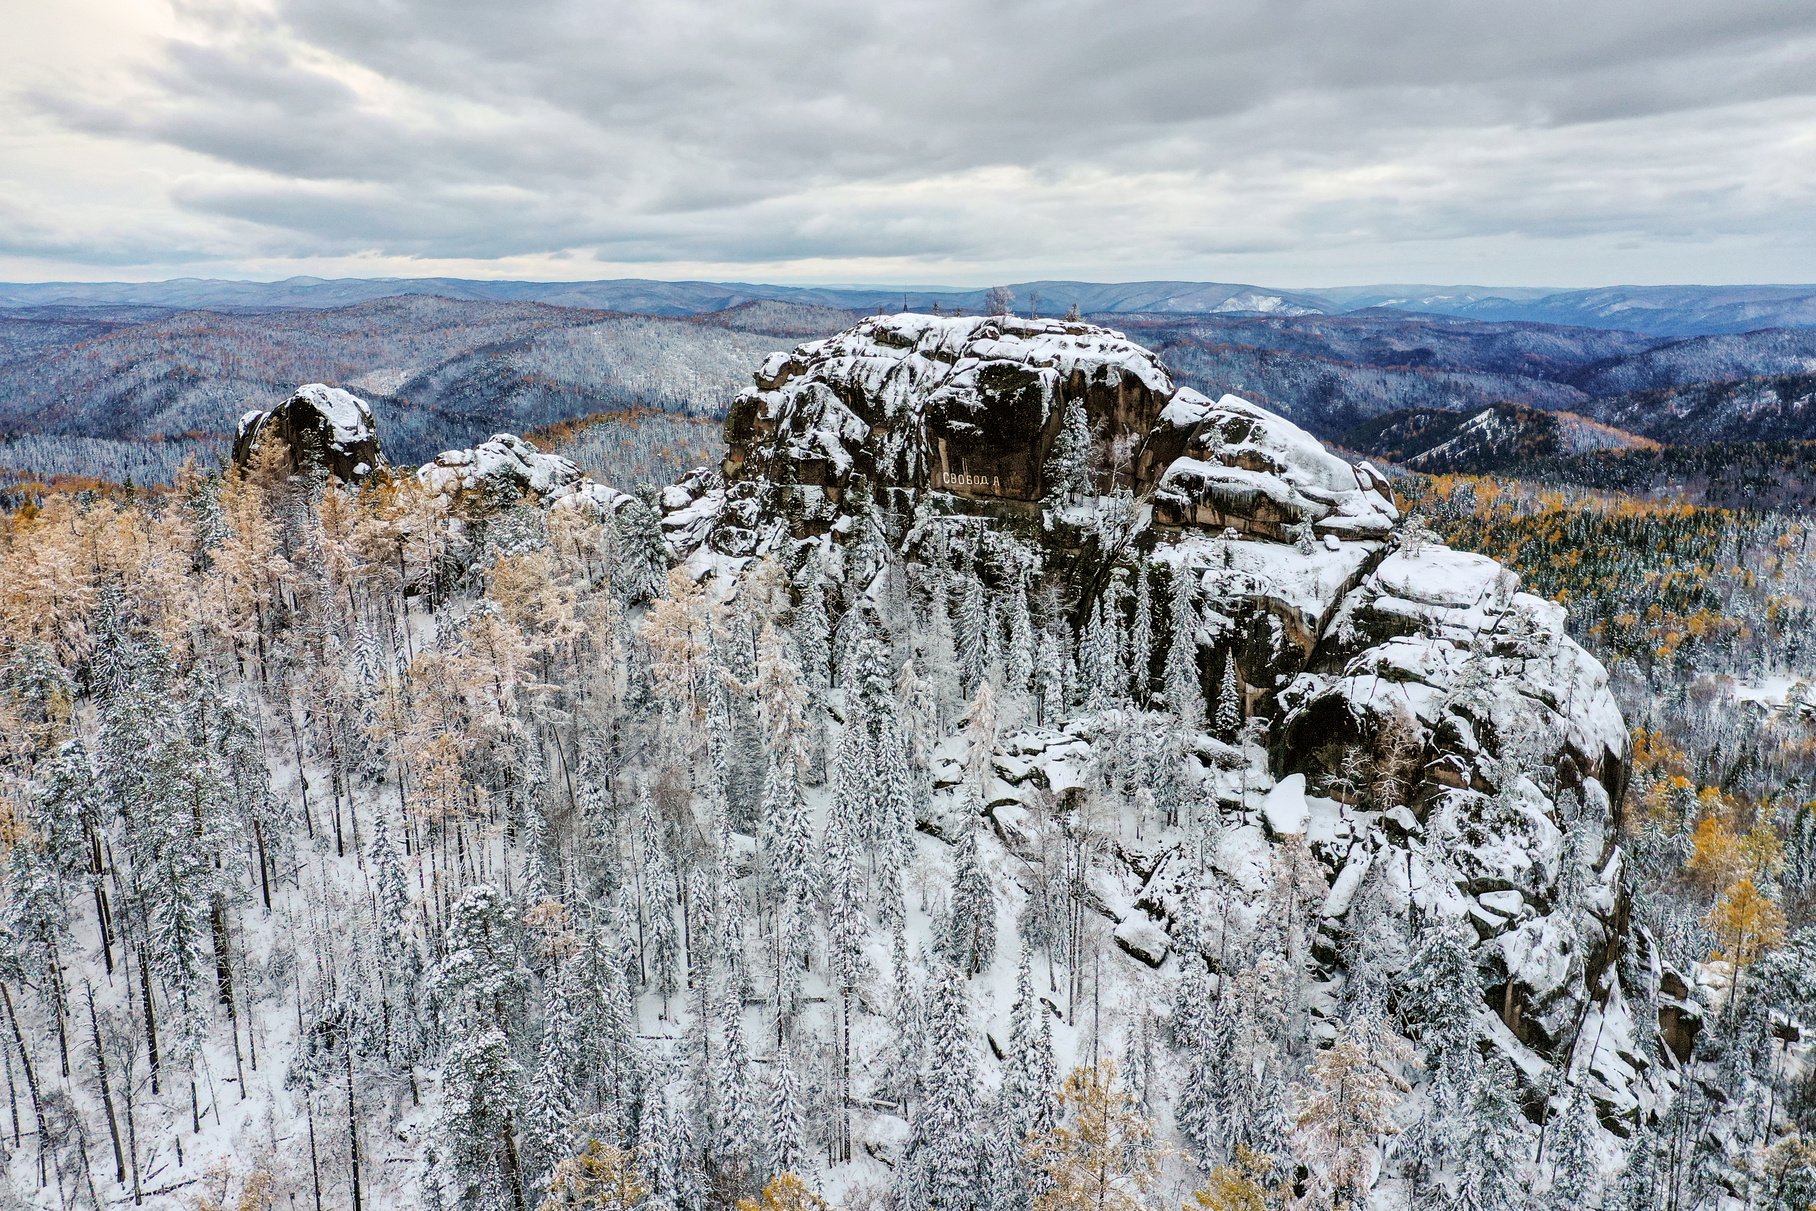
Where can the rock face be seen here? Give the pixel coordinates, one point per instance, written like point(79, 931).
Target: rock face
point(1429, 732)
point(969, 409)
point(506, 468)
point(324, 427)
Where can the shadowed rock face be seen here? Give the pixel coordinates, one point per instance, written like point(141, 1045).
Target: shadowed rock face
point(323, 427)
point(969, 409)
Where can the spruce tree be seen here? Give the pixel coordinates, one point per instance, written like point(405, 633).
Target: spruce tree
point(937, 1165)
point(972, 629)
point(553, 1098)
point(786, 1147)
point(1141, 637)
point(1491, 1148)
point(1067, 473)
point(1184, 692)
point(1575, 1172)
point(972, 930)
point(1230, 711)
point(740, 1134)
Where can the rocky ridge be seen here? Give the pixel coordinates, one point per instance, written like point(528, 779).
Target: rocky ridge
point(1496, 757)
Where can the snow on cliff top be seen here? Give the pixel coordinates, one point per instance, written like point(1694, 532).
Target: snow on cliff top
point(350, 415)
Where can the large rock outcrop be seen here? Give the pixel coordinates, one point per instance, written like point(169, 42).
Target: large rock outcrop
point(1429, 732)
point(323, 428)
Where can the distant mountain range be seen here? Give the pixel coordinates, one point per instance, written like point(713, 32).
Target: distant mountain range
point(1653, 310)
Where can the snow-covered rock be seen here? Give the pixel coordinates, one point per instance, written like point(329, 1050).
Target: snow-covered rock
point(507, 468)
point(1239, 465)
point(969, 410)
point(323, 427)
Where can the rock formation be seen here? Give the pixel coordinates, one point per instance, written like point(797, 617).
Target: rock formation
point(507, 468)
point(1430, 732)
point(323, 427)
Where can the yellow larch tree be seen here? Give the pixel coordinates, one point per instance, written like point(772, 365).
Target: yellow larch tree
point(784, 1192)
point(1103, 1157)
point(600, 1177)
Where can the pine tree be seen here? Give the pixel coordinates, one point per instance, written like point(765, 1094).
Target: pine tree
point(1184, 692)
point(641, 572)
point(483, 977)
point(476, 1133)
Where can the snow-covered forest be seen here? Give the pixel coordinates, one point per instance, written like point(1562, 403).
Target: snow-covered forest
point(1196, 829)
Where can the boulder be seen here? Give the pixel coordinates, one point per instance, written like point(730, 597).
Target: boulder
point(324, 428)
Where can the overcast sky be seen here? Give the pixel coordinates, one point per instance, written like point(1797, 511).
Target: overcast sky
point(1287, 143)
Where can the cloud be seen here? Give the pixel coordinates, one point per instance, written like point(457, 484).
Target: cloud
point(1046, 136)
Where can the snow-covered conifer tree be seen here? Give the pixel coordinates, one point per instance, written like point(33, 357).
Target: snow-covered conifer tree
point(1185, 693)
point(786, 1146)
point(641, 572)
point(1443, 992)
point(1068, 469)
point(1230, 710)
point(972, 930)
point(1491, 1147)
point(475, 1157)
point(740, 1118)
point(937, 1171)
point(1019, 655)
point(1575, 1172)
point(553, 1097)
point(971, 628)
point(1141, 636)
point(662, 949)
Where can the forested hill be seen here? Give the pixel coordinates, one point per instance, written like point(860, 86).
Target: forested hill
point(1003, 745)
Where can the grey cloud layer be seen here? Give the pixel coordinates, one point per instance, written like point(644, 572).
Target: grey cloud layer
point(769, 131)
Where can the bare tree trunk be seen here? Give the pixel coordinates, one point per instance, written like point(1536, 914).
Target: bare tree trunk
point(510, 1160)
point(258, 833)
point(113, 1127)
point(31, 1083)
point(352, 1126)
point(315, 1165)
point(151, 1021)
